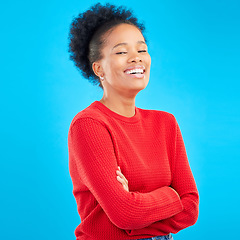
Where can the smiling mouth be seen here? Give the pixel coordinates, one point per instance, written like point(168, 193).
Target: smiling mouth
point(135, 71)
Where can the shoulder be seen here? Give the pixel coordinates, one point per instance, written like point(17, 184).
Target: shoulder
point(157, 116)
point(91, 115)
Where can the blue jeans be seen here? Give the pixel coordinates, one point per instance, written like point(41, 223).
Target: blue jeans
point(167, 237)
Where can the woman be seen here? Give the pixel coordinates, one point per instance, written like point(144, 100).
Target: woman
point(130, 173)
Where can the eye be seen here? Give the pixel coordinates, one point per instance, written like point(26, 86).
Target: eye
point(141, 51)
point(121, 53)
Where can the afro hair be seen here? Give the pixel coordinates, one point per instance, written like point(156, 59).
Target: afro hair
point(86, 34)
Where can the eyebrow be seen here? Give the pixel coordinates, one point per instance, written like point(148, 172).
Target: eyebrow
point(124, 43)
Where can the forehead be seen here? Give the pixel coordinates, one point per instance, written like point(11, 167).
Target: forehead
point(123, 33)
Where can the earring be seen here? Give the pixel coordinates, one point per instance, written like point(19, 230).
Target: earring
point(102, 78)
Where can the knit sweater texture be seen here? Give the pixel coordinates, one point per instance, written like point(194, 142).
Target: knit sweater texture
point(149, 149)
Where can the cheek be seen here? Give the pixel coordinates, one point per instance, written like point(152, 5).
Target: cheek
point(116, 67)
point(108, 68)
point(149, 60)
point(112, 66)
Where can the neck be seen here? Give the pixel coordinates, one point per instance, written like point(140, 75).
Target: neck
point(120, 105)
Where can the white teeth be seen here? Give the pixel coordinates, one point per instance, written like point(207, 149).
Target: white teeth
point(136, 71)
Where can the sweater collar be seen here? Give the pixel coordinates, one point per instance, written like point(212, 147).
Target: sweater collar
point(110, 113)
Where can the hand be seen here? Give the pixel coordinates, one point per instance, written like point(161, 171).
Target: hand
point(175, 191)
point(121, 178)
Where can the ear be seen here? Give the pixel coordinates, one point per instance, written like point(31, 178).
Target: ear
point(97, 69)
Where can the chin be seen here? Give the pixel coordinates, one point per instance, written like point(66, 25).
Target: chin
point(139, 87)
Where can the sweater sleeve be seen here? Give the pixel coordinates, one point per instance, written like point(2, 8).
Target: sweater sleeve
point(183, 182)
point(92, 150)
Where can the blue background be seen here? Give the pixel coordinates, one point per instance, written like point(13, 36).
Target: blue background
point(195, 75)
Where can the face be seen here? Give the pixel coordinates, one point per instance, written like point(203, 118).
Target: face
point(126, 62)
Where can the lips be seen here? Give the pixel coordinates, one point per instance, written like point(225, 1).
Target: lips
point(135, 71)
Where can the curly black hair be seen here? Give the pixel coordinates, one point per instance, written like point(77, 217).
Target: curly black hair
point(87, 30)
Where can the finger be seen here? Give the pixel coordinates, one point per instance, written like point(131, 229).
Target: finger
point(126, 188)
point(122, 179)
point(121, 175)
point(123, 182)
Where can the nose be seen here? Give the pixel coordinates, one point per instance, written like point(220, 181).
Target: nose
point(135, 58)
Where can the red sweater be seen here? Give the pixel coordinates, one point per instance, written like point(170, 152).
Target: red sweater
point(150, 151)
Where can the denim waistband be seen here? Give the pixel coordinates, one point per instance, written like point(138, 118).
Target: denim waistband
point(167, 237)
